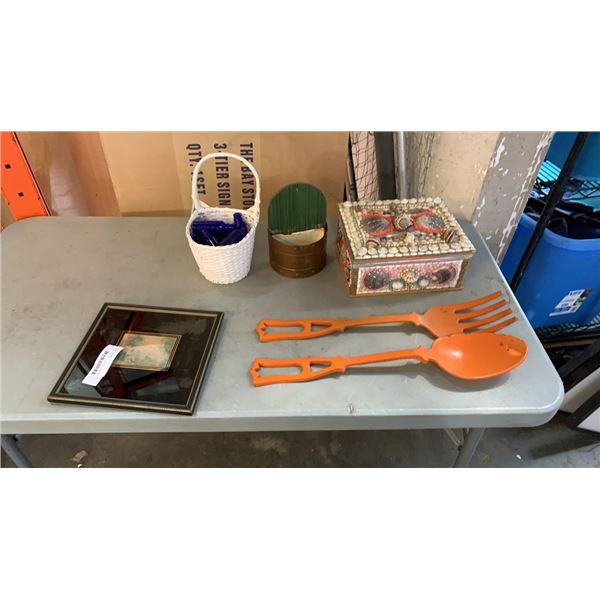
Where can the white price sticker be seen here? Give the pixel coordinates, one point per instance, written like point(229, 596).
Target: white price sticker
point(571, 303)
point(102, 364)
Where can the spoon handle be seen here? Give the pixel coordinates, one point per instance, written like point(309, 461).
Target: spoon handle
point(315, 367)
point(419, 353)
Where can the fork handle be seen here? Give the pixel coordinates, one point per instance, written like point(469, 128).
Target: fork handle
point(413, 318)
point(328, 364)
point(306, 331)
point(326, 326)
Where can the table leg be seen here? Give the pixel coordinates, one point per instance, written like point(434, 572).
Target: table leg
point(10, 446)
point(456, 439)
point(467, 450)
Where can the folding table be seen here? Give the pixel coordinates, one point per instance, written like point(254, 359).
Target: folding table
point(58, 271)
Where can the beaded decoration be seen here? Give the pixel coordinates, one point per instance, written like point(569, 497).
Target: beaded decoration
point(402, 228)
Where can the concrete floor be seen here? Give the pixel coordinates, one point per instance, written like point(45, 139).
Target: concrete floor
point(552, 445)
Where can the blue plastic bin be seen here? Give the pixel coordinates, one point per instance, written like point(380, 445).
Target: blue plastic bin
point(562, 281)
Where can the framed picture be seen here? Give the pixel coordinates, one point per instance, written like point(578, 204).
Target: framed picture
point(161, 367)
point(146, 351)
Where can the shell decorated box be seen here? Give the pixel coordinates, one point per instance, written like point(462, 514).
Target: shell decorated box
point(401, 247)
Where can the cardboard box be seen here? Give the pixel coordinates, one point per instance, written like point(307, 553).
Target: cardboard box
point(151, 172)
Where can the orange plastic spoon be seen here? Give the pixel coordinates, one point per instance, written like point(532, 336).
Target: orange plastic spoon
point(468, 356)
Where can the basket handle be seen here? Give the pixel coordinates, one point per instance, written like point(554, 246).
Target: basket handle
point(198, 204)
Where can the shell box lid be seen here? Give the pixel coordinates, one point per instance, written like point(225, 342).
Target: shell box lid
point(408, 228)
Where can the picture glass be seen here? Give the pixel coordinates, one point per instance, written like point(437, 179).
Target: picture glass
point(163, 361)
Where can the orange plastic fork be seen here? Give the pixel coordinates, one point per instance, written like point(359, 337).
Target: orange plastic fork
point(438, 320)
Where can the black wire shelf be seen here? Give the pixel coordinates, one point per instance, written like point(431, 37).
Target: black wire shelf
point(570, 331)
point(577, 190)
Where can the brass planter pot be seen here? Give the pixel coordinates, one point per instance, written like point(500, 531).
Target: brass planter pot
point(297, 260)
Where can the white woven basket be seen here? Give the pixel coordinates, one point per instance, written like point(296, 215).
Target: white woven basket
point(224, 264)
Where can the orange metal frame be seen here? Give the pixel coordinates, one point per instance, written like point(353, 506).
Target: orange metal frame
point(19, 187)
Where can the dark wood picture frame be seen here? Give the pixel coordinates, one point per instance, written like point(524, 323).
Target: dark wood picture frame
point(215, 317)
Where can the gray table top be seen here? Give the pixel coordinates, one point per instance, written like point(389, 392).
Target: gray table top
point(58, 271)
